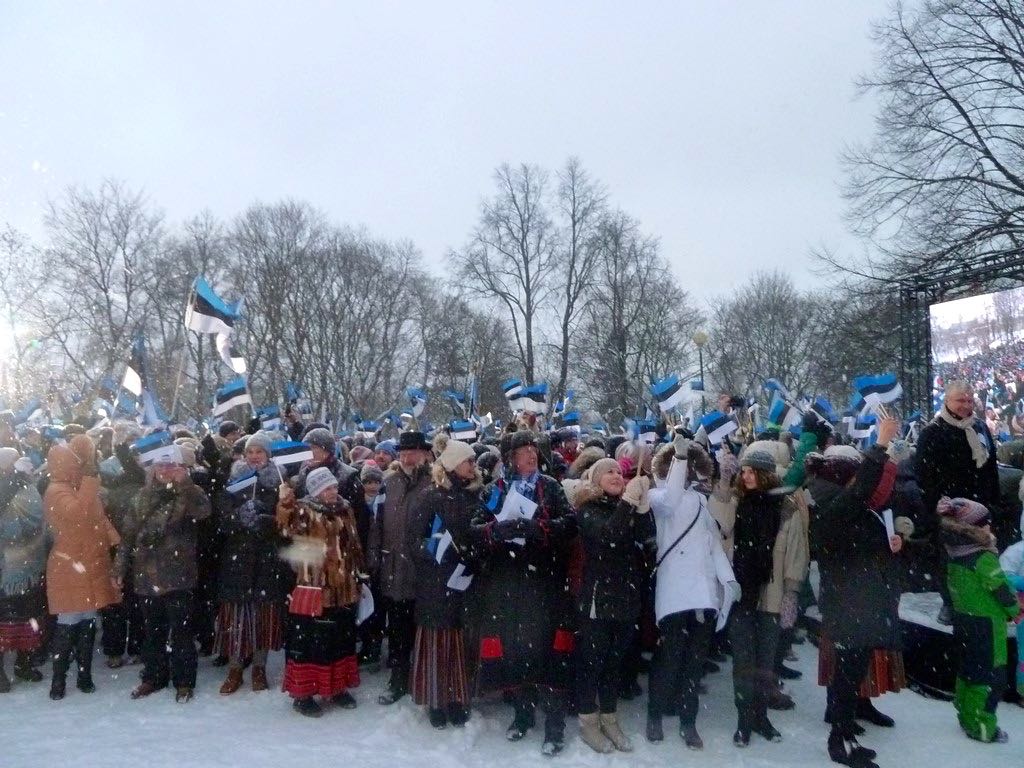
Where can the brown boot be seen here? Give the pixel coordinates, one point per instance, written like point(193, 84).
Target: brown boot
point(259, 679)
point(144, 689)
point(232, 682)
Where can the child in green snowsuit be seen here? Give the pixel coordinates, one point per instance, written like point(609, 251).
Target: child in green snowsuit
point(983, 602)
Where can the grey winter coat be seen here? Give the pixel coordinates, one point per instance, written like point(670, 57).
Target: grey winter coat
point(396, 532)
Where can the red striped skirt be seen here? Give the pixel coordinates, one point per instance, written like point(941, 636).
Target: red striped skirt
point(439, 668)
point(304, 680)
point(885, 670)
point(246, 627)
point(20, 636)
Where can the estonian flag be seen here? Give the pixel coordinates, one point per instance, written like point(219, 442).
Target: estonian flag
point(417, 399)
point(231, 394)
point(150, 447)
point(458, 401)
point(463, 430)
point(863, 426)
point(782, 413)
point(647, 431)
point(231, 358)
point(285, 452)
point(717, 426)
point(534, 398)
point(135, 373)
point(571, 419)
point(270, 417)
point(668, 392)
point(511, 388)
point(877, 390)
point(209, 313)
point(241, 483)
point(823, 407)
point(292, 392)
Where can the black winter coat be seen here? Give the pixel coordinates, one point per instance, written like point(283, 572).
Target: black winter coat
point(860, 576)
point(450, 506)
point(250, 569)
point(520, 599)
point(613, 535)
point(945, 466)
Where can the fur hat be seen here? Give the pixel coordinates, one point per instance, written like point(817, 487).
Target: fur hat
point(759, 460)
point(319, 479)
point(370, 473)
point(600, 468)
point(226, 428)
point(360, 453)
point(412, 441)
point(455, 453)
point(259, 440)
point(321, 438)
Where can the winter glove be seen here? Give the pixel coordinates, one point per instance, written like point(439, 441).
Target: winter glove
point(682, 447)
point(735, 589)
point(728, 465)
point(904, 526)
point(787, 614)
point(506, 530)
point(249, 513)
point(636, 493)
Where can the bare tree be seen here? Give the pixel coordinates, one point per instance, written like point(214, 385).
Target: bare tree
point(943, 178)
point(767, 329)
point(100, 243)
point(511, 256)
point(21, 279)
point(580, 202)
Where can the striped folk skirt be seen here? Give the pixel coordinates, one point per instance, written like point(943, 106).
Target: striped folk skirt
point(439, 676)
point(246, 627)
point(320, 653)
point(885, 671)
point(20, 636)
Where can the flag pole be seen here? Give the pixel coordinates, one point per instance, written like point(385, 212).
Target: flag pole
point(184, 352)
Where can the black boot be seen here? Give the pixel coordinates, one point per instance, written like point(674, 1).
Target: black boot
point(84, 645)
point(654, 731)
point(63, 638)
point(398, 686)
point(24, 669)
point(524, 719)
point(438, 718)
point(308, 707)
point(458, 715)
point(846, 751)
point(866, 711)
point(554, 734)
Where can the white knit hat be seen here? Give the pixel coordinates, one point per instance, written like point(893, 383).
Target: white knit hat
point(455, 453)
point(7, 458)
point(319, 479)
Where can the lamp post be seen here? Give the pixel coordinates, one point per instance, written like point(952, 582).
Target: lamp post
point(700, 338)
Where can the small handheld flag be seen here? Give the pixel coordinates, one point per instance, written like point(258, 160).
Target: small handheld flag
point(286, 452)
point(462, 429)
point(717, 426)
point(242, 483)
point(150, 447)
point(668, 392)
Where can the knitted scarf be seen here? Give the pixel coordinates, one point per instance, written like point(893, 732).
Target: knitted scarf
point(978, 451)
point(758, 517)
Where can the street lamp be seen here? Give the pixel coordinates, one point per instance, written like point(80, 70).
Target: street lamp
point(700, 338)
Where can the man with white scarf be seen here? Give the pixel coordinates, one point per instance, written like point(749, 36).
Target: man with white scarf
point(956, 457)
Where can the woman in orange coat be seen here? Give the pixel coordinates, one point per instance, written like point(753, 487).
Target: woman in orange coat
point(79, 571)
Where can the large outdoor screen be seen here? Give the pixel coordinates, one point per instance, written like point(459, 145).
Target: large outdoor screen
point(981, 339)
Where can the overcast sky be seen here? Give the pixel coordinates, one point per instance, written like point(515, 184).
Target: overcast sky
point(716, 124)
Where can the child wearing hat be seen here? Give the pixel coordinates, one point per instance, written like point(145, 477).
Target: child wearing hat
point(983, 601)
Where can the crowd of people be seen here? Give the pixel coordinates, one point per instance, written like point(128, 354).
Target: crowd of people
point(546, 566)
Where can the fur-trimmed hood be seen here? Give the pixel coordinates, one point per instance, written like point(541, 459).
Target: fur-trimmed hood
point(962, 539)
point(442, 479)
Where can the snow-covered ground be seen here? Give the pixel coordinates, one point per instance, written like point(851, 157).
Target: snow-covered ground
point(257, 730)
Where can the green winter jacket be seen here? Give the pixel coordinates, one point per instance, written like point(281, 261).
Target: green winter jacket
point(983, 602)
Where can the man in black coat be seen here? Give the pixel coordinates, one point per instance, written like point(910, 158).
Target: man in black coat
point(956, 457)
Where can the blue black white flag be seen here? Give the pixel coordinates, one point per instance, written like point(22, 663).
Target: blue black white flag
point(209, 313)
point(285, 452)
point(235, 392)
point(783, 413)
point(417, 399)
point(668, 392)
point(150, 447)
point(231, 357)
point(878, 390)
point(717, 426)
point(244, 482)
point(462, 429)
point(270, 417)
point(457, 400)
point(534, 398)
